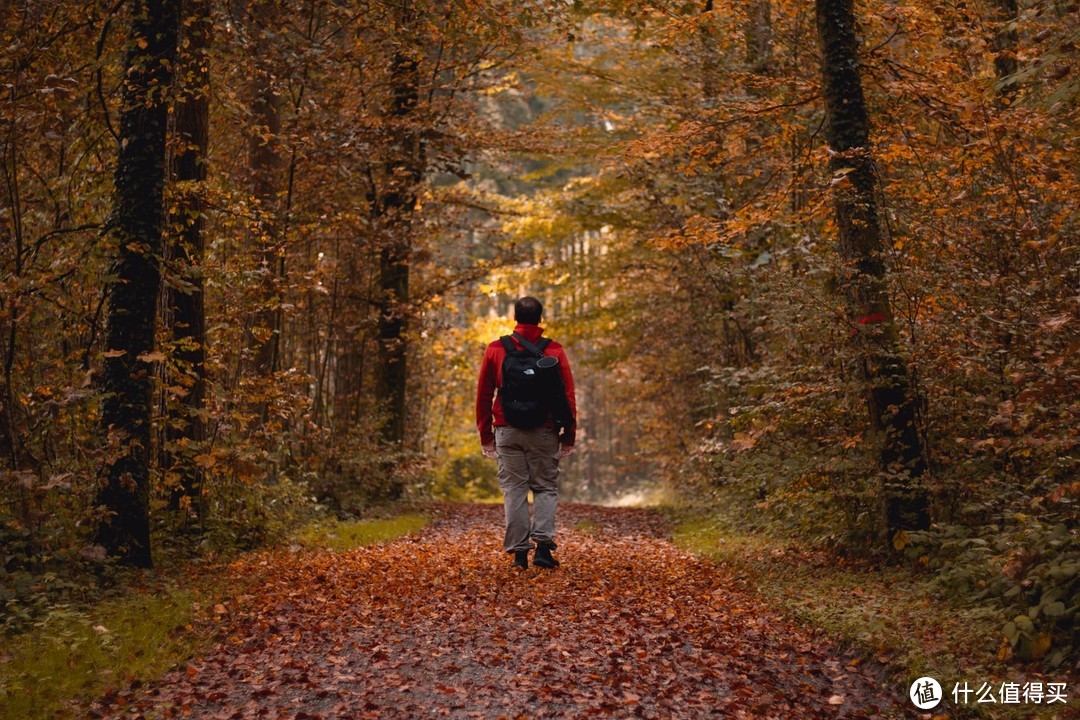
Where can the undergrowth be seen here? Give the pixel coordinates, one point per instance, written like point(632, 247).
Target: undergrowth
point(339, 535)
point(895, 614)
point(74, 652)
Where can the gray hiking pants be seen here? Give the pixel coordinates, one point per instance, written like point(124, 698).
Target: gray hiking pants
point(528, 460)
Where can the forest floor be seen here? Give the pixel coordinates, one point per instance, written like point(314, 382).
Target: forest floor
point(438, 624)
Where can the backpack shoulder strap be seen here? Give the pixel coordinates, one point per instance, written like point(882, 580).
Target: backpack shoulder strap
point(508, 344)
point(535, 349)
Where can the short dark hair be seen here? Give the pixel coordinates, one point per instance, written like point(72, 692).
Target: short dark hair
point(528, 310)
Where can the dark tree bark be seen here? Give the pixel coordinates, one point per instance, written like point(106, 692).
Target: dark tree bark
point(136, 229)
point(393, 209)
point(185, 430)
point(266, 164)
point(890, 399)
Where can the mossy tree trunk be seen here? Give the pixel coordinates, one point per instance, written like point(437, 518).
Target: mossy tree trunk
point(890, 398)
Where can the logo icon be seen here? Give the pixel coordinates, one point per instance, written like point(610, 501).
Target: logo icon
point(925, 693)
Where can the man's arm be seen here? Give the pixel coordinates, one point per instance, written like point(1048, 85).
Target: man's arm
point(485, 395)
point(569, 432)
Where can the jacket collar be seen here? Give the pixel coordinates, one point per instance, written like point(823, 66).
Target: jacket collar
point(531, 333)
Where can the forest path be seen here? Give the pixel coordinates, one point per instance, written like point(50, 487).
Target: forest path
point(440, 625)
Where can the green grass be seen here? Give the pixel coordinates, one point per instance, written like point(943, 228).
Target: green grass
point(892, 614)
point(340, 535)
point(80, 653)
point(589, 527)
point(74, 654)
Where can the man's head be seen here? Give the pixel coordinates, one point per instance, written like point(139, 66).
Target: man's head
point(528, 310)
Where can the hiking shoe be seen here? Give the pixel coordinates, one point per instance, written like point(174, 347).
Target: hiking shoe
point(543, 558)
point(521, 559)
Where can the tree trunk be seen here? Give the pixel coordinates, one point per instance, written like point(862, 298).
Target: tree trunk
point(185, 430)
point(1005, 41)
point(393, 345)
point(759, 40)
point(709, 55)
point(266, 165)
point(136, 228)
point(393, 210)
point(890, 400)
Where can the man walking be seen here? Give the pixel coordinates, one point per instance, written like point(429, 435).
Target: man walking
point(525, 412)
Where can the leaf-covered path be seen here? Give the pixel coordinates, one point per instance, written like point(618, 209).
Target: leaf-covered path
point(440, 625)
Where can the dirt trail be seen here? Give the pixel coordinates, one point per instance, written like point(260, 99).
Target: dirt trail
point(440, 625)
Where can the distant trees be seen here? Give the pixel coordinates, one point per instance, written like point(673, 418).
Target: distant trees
point(810, 320)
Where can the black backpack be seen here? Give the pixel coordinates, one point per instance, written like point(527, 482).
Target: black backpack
point(532, 391)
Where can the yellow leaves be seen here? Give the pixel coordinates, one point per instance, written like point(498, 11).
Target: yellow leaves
point(508, 83)
point(1023, 640)
point(840, 177)
point(900, 540)
point(146, 357)
point(1041, 645)
point(262, 334)
point(742, 441)
point(745, 440)
point(697, 230)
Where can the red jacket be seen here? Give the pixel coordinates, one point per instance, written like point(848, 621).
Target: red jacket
point(488, 408)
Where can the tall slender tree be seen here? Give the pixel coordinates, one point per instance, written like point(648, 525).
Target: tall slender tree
point(185, 302)
point(136, 227)
point(266, 163)
point(890, 399)
point(393, 206)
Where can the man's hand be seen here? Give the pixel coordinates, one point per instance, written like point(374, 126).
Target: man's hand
point(566, 450)
point(488, 450)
